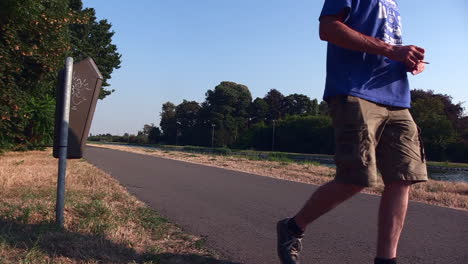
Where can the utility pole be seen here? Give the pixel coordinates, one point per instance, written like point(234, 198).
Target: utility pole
point(212, 135)
point(273, 137)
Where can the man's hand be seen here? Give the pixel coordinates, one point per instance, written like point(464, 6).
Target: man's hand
point(411, 56)
point(419, 68)
point(333, 30)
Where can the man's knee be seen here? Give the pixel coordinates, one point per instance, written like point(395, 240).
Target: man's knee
point(398, 187)
point(398, 184)
point(351, 187)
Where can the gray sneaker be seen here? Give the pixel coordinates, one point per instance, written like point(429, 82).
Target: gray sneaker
point(289, 245)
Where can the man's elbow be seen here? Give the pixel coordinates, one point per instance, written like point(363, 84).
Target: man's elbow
point(323, 32)
point(330, 23)
point(323, 36)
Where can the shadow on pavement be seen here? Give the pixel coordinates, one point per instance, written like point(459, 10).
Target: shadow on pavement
point(187, 259)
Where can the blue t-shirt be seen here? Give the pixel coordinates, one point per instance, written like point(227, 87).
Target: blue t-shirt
point(372, 77)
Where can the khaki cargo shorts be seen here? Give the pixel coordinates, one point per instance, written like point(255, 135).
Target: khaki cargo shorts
point(370, 136)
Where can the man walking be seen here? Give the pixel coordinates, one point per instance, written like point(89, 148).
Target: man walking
point(368, 95)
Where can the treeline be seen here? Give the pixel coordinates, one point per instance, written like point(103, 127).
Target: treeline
point(149, 135)
point(35, 38)
point(230, 118)
point(444, 125)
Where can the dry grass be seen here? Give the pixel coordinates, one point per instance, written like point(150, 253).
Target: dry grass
point(103, 222)
point(448, 194)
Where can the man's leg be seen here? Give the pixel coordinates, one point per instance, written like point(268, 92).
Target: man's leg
point(290, 231)
point(327, 197)
point(355, 122)
point(392, 213)
point(401, 161)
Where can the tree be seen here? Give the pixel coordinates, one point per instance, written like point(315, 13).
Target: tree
point(453, 112)
point(323, 108)
point(438, 119)
point(463, 129)
point(298, 104)
point(168, 122)
point(305, 134)
point(35, 38)
point(227, 107)
point(155, 135)
point(301, 134)
point(315, 107)
point(275, 101)
point(94, 39)
point(152, 133)
point(186, 114)
point(147, 129)
point(258, 110)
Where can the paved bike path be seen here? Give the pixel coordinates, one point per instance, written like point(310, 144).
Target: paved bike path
point(237, 213)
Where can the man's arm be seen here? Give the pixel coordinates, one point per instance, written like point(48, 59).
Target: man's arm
point(333, 30)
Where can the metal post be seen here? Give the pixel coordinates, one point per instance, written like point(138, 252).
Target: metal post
point(212, 135)
point(63, 145)
point(273, 137)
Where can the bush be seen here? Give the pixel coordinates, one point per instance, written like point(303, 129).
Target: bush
point(300, 134)
point(196, 149)
point(458, 152)
point(222, 151)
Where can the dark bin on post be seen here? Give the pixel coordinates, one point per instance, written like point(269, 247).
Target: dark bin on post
point(86, 86)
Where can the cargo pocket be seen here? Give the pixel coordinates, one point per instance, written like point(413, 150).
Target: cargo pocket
point(421, 146)
point(353, 147)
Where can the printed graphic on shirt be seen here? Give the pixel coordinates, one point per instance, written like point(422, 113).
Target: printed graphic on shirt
point(391, 30)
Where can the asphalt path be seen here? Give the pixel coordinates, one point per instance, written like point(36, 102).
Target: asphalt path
point(237, 213)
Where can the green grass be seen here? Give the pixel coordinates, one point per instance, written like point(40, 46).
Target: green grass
point(266, 155)
point(447, 164)
point(93, 222)
point(103, 222)
point(312, 163)
point(94, 216)
point(200, 243)
point(254, 158)
point(151, 220)
point(280, 158)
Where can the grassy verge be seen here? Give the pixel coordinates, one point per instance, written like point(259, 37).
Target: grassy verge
point(448, 164)
point(448, 194)
point(103, 222)
point(260, 155)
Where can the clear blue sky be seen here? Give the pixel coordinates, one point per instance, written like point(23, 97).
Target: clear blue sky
point(178, 49)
